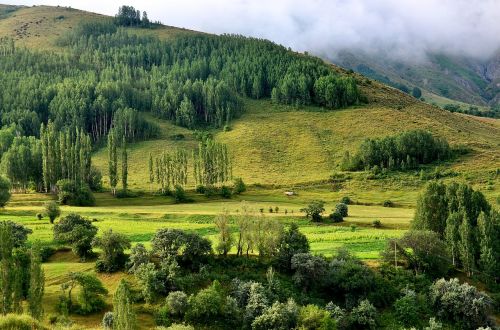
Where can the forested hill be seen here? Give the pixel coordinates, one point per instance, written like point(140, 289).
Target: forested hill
point(83, 72)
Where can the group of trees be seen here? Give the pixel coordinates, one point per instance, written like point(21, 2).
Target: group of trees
point(169, 170)
point(466, 222)
point(212, 163)
point(21, 274)
point(129, 16)
point(113, 142)
point(403, 151)
point(107, 77)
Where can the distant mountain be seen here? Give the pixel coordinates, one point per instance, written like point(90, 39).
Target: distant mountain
point(467, 80)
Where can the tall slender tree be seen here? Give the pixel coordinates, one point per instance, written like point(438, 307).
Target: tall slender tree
point(124, 316)
point(37, 284)
point(112, 161)
point(124, 165)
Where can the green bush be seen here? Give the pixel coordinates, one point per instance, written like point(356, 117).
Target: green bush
point(239, 186)
point(162, 317)
point(346, 200)
point(19, 322)
point(70, 193)
point(388, 203)
point(39, 216)
point(201, 189)
point(377, 223)
point(179, 194)
point(52, 210)
point(4, 191)
point(336, 217)
point(225, 192)
point(343, 209)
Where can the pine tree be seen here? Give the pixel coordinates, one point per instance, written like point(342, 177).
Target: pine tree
point(124, 316)
point(37, 284)
point(112, 161)
point(124, 165)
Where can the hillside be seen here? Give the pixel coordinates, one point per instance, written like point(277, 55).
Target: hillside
point(272, 144)
point(443, 78)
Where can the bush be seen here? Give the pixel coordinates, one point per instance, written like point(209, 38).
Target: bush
point(69, 193)
point(77, 231)
point(162, 316)
point(239, 186)
point(179, 194)
point(336, 217)
point(346, 200)
point(377, 223)
point(112, 257)
point(39, 216)
point(363, 316)
point(388, 203)
point(4, 191)
point(177, 303)
point(46, 252)
point(313, 317)
point(343, 209)
point(201, 189)
point(52, 210)
point(107, 321)
point(95, 179)
point(225, 192)
point(19, 322)
point(314, 210)
point(406, 308)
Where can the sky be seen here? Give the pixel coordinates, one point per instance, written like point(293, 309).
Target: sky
point(400, 28)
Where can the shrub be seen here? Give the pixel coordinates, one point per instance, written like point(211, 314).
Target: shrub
point(363, 316)
point(112, 257)
point(346, 200)
point(95, 179)
point(52, 210)
point(462, 304)
point(239, 186)
point(19, 322)
point(70, 193)
point(162, 316)
point(39, 216)
point(225, 192)
point(342, 209)
point(278, 316)
point(179, 194)
point(377, 223)
point(77, 231)
point(90, 293)
point(4, 191)
point(336, 217)
point(388, 203)
point(46, 252)
point(107, 321)
point(314, 210)
point(177, 303)
point(406, 308)
point(313, 317)
point(201, 189)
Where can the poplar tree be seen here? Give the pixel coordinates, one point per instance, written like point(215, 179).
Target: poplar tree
point(6, 268)
point(37, 284)
point(467, 247)
point(124, 165)
point(151, 172)
point(124, 316)
point(112, 161)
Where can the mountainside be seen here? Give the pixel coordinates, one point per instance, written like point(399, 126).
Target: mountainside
point(457, 78)
point(273, 144)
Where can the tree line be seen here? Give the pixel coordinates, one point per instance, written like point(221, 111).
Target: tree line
point(403, 151)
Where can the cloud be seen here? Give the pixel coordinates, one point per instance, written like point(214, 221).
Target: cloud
point(398, 27)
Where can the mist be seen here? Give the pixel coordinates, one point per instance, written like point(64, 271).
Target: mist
point(399, 28)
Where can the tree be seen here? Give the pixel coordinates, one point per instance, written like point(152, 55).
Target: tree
point(342, 209)
point(37, 284)
point(52, 210)
point(138, 256)
point(210, 306)
point(278, 316)
point(124, 166)
point(257, 303)
point(77, 231)
point(461, 304)
point(225, 237)
point(314, 210)
point(292, 242)
point(244, 223)
point(113, 245)
point(421, 251)
point(467, 246)
point(150, 279)
point(363, 316)
point(7, 272)
point(177, 303)
point(4, 191)
point(151, 171)
point(112, 161)
point(239, 186)
point(432, 209)
point(314, 317)
point(124, 317)
point(90, 295)
point(309, 270)
point(489, 238)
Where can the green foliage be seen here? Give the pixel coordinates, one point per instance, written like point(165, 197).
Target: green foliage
point(335, 92)
point(20, 322)
point(138, 256)
point(291, 242)
point(461, 304)
point(406, 308)
point(179, 194)
point(416, 92)
point(403, 151)
point(212, 164)
point(112, 245)
point(37, 284)
point(225, 239)
point(314, 210)
point(70, 193)
point(107, 321)
point(151, 282)
point(177, 303)
point(421, 251)
point(343, 209)
point(309, 270)
point(336, 217)
point(124, 317)
point(363, 316)
point(90, 295)
point(239, 186)
point(313, 317)
point(278, 316)
point(22, 164)
point(4, 191)
point(52, 210)
point(76, 231)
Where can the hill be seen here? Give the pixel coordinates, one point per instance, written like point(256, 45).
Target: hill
point(444, 79)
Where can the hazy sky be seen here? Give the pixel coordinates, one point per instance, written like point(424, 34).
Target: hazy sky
point(401, 27)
